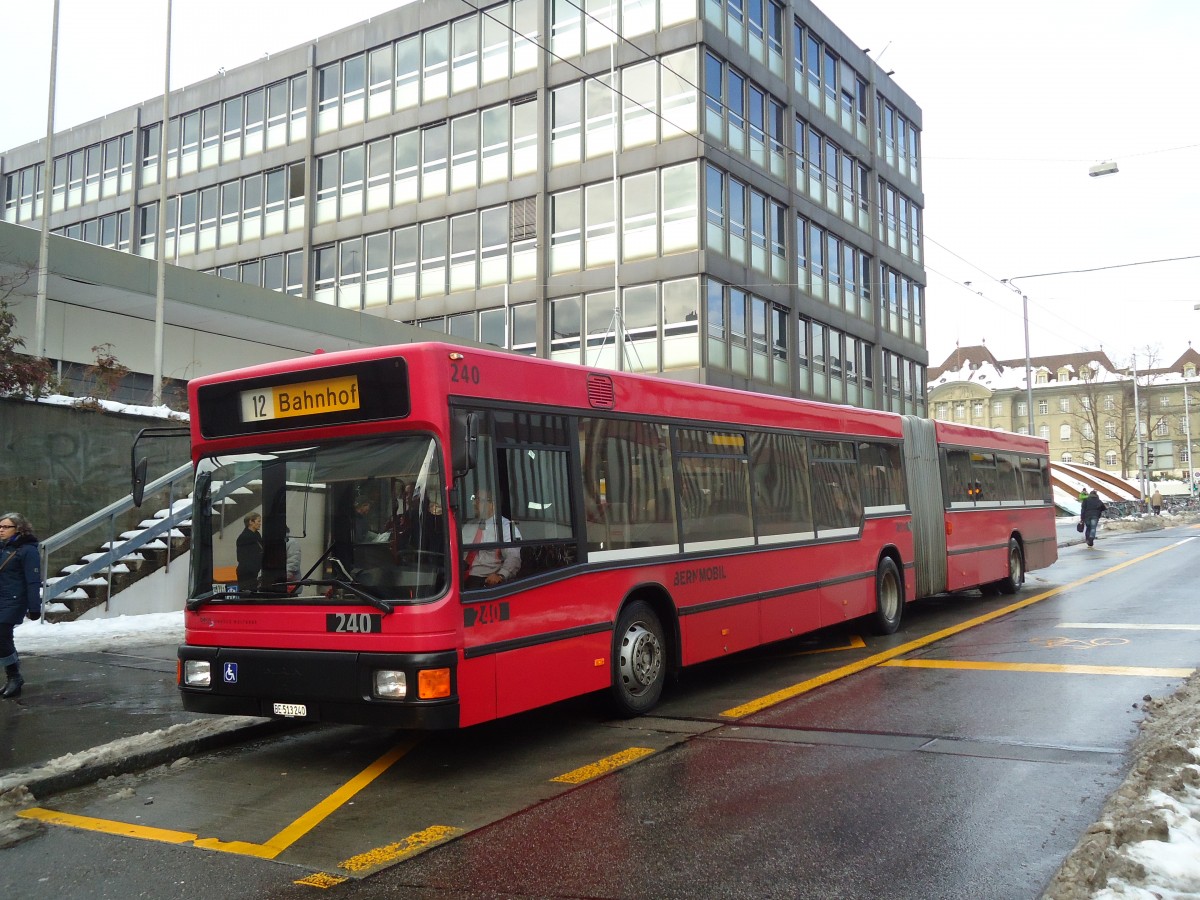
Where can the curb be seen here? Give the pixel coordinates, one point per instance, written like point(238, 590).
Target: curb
point(120, 758)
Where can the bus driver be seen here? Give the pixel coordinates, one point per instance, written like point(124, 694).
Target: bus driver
point(488, 568)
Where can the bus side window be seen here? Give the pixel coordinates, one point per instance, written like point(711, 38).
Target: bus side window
point(782, 501)
point(628, 486)
point(957, 480)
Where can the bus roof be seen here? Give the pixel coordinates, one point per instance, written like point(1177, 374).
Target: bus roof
point(501, 376)
point(990, 438)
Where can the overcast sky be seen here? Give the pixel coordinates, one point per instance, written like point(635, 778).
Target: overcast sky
point(1020, 98)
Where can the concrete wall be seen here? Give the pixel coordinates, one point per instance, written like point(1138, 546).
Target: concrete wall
point(59, 464)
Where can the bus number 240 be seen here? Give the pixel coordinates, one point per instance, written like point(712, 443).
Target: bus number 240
point(354, 623)
point(461, 373)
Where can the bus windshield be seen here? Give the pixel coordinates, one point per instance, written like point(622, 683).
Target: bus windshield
point(361, 521)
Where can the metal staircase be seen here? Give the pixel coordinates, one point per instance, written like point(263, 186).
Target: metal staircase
point(117, 547)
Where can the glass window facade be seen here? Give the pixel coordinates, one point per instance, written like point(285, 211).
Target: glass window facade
point(545, 226)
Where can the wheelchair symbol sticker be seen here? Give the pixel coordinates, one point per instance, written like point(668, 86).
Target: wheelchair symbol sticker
point(230, 673)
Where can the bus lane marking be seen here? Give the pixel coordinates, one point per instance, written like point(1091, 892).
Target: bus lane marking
point(855, 643)
point(1067, 643)
point(413, 844)
point(1149, 626)
point(878, 659)
point(321, 880)
point(106, 826)
point(269, 849)
point(1054, 668)
point(603, 766)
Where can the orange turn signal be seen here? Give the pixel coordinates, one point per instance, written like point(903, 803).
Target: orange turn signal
point(433, 683)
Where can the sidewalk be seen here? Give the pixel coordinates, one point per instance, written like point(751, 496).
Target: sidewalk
point(87, 715)
point(90, 714)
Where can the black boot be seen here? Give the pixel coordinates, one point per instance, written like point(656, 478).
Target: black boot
point(12, 687)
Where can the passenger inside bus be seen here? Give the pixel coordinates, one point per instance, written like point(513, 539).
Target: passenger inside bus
point(249, 553)
point(362, 521)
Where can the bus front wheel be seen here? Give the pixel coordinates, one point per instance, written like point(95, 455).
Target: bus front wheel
point(889, 597)
point(639, 660)
point(1016, 569)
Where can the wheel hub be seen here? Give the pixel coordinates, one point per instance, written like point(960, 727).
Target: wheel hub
point(641, 659)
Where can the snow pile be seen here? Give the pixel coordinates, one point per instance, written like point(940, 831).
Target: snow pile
point(1146, 845)
point(132, 409)
point(99, 634)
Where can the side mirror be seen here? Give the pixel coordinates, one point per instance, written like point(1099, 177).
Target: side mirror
point(137, 467)
point(139, 480)
point(464, 449)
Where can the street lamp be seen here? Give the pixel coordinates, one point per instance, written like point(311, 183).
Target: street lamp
point(1028, 363)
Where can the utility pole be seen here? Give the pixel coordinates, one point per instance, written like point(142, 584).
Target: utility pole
point(1137, 424)
point(43, 279)
point(1187, 427)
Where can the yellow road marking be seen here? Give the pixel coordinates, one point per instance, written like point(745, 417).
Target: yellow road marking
point(1142, 671)
point(855, 643)
point(321, 880)
point(107, 826)
point(803, 687)
point(1130, 626)
point(267, 850)
point(414, 843)
point(338, 798)
point(603, 766)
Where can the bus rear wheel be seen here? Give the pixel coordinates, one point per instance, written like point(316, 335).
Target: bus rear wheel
point(889, 597)
point(639, 660)
point(1016, 569)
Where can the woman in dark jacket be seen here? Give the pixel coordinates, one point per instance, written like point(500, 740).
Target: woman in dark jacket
point(249, 553)
point(20, 591)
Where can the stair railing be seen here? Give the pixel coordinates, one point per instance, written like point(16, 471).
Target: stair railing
point(178, 486)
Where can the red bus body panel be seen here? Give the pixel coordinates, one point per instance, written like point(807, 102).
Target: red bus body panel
point(537, 645)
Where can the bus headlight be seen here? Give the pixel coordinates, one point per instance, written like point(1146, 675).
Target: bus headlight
point(391, 684)
point(197, 673)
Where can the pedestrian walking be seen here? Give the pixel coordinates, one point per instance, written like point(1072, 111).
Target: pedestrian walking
point(1089, 514)
point(1156, 502)
point(20, 592)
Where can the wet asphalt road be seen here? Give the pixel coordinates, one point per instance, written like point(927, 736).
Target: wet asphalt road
point(966, 765)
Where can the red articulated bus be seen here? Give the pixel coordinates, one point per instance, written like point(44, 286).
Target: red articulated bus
point(430, 536)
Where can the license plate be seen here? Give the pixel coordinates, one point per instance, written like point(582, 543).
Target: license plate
point(291, 710)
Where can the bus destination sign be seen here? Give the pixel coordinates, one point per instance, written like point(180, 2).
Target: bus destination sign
point(308, 398)
point(367, 391)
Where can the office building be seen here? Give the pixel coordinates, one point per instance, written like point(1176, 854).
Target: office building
point(725, 191)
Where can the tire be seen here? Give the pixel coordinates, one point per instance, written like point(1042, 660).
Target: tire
point(889, 598)
point(1016, 569)
point(639, 660)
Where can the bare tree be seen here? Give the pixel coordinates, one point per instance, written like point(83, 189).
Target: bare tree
point(1088, 413)
point(1142, 420)
point(20, 374)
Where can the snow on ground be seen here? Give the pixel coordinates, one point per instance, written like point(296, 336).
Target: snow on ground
point(100, 634)
point(1146, 844)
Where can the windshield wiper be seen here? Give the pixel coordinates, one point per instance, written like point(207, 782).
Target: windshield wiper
point(347, 585)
